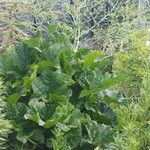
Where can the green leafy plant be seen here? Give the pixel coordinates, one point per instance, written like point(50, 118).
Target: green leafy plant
point(56, 98)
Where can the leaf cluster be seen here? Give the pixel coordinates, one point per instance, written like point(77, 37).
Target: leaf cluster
point(56, 98)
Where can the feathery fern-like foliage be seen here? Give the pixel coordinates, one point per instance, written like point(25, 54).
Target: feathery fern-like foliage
point(4, 124)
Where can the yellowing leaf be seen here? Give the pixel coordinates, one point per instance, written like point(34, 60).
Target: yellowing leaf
point(12, 99)
point(50, 123)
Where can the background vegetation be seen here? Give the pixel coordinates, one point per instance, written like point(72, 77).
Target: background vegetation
point(74, 75)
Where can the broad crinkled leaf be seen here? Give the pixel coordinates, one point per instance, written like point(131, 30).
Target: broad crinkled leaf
point(53, 52)
point(105, 83)
point(15, 62)
point(34, 110)
point(61, 112)
point(98, 134)
point(52, 82)
point(108, 113)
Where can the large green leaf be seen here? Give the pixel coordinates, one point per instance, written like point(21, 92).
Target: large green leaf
point(66, 65)
point(89, 59)
point(12, 99)
point(34, 110)
point(50, 123)
point(61, 113)
point(57, 98)
point(34, 72)
point(34, 42)
point(27, 82)
point(99, 135)
point(52, 82)
point(45, 65)
point(107, 113)
point(15, 62)
point(106, 83)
